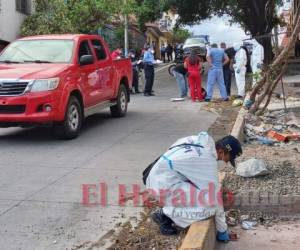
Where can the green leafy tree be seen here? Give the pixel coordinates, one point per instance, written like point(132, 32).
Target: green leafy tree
point(258, 17)
point(179, 35)
point(149, 11)
point(50, 17)
point(85, 16)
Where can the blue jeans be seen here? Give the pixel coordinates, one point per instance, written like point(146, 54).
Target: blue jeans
point(215, 75)
point(182, 84)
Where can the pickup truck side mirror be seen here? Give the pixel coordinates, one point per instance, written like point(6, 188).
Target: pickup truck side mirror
point(86, 60)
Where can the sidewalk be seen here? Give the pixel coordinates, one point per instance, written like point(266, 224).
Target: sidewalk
point(273, 200)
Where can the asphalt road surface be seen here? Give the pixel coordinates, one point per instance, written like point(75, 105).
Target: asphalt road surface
point(41, 178)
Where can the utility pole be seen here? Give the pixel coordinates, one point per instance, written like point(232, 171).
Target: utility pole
point(126, 42)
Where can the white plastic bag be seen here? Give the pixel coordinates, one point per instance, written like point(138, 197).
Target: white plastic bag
point(252, 168)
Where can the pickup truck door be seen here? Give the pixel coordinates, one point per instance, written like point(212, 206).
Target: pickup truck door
point(105, 70)
point(89, 76)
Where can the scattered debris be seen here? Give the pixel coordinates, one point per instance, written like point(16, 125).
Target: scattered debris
point(252, 168)
point(237, 103)
point(249, 225)
point(284, 137)
point(271, 128)
point(233, 236)
point(264, 140)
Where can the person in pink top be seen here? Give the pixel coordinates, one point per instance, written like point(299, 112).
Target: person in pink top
point(193, 65)
point(116, 54)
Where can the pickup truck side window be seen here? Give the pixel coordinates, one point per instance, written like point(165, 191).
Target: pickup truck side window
point(99, 49)
point(84, 49)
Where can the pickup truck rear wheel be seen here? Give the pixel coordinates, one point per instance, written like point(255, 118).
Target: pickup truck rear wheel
point(70, 127)
point(120, 109)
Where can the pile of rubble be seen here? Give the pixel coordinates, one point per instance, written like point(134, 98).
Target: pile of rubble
point(273, 128)
point(270, 161)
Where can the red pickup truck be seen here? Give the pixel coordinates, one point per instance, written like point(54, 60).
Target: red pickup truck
point(60, 80)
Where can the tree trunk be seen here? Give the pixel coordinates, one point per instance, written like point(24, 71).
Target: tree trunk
point(274, 72)
point(266, 42)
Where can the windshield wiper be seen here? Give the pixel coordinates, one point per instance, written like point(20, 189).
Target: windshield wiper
point(8, 61)
point(37, 61)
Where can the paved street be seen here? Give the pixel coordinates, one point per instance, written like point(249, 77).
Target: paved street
point(41, 177)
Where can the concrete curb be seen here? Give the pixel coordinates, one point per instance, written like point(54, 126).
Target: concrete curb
point(202, 234)
point(238, 128)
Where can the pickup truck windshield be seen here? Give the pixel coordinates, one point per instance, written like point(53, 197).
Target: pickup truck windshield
point(192, 41)
point(38, 51)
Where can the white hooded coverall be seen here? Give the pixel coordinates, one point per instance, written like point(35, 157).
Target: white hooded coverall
point(240, 70)
point(257, 60)
point(181, 169)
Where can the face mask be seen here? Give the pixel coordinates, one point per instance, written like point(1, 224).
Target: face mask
point(221, 163)
point(152, 51)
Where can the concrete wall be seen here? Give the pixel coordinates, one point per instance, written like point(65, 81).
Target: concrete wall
point(10, 20)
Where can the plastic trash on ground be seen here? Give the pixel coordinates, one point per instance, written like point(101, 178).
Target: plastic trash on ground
point(249, 225)
point(265, 141)
point(237, 102)
point(252, 168)
point(177, 99)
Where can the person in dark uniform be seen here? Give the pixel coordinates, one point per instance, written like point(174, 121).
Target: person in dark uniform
point(170, 51)
point(148, 61)
point(135, 72)
point(227, 68)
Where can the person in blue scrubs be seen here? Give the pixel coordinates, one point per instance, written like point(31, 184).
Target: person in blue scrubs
point(216, 59)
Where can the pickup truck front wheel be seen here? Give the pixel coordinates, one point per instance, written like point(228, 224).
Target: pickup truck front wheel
point(70, 127)
point(120, 109)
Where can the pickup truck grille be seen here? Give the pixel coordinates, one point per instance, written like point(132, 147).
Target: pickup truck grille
point(12, 109)
point(12, 88)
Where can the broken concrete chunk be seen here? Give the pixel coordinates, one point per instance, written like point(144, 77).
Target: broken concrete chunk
point(252, 168)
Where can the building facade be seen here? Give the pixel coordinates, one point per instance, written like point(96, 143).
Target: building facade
point(160, 32)
point(12, 14)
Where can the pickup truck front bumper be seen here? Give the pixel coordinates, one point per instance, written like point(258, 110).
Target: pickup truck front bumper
point(30, 108)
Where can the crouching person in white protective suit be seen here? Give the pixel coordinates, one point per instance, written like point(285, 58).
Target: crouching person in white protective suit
point(185, 181)
point(257, 61)
point(240, 70)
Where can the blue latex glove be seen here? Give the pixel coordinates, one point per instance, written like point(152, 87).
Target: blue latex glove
point(223, 237)
point(238, 71)
point(248, 104)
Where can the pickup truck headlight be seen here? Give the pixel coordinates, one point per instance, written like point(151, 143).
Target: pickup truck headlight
point(44, 84)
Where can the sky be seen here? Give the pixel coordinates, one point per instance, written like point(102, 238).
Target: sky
point(219, 30)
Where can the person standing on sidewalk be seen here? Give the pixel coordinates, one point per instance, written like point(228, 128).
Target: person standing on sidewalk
point(193, 65)
point(216, 59)
point(149, 61)
point(116, 54)
point(257, 61)
point(240, 69)
point(170, 52)
point(135, 72)
point(227, 68)
point(163, 53)
point(180, 73)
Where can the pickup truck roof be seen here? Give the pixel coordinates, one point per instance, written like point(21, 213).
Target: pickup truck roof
point(60, 37)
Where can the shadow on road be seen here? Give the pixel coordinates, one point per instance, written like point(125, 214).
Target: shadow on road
point(46, 134)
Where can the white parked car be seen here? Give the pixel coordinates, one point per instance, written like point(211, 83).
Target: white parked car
point(197, 43)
